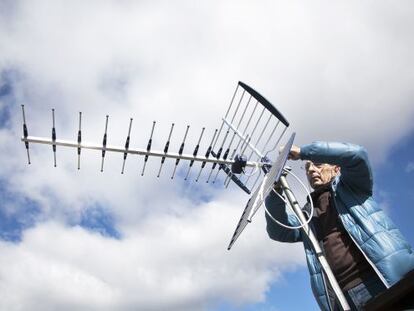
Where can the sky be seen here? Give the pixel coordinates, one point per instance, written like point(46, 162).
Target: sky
point(86, 240)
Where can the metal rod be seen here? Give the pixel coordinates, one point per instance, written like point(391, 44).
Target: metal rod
point(258, 121)
point(104, 143)
point(315, 244)
point(238, 124)
point(194, 153)
point(227, 180)
point(142, 152)
point(148, 148)
point(261, 134)
point(126, 145)
point(24, 116)
point(280, 137)
point(167, 145)
point(207, 155)
point(227, 133)
point(244, 111)
point(226, 153)
point(180, 152)
point(271, 135)
point(237, 108)
point(246, 142)
point(218, 155)
point(54, 136)
point(227, 113)
point(243, 140)
point(244, 131)
point(264, 148)
point(79, 139)
point(248, 138)
point(255, 182)
point(231, 142)
point(251, 153)
point(25, 135)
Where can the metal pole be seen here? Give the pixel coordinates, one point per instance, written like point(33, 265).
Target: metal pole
point(315, 244)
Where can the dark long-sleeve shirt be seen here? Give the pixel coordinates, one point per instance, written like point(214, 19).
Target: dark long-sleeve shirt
point(347, 262)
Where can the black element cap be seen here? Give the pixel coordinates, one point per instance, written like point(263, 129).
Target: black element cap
point(265, 103)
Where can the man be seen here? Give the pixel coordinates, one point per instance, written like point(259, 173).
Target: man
point(364, 249)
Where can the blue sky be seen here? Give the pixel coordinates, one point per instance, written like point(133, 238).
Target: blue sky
point(337, 71)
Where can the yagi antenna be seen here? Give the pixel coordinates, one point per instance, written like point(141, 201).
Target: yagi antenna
point(257, 134)
point(239, 147)
point(243, 145)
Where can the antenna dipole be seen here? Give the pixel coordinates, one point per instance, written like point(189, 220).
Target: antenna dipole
point(127, 145)
point(104, 143)
point(244, 130)
point(79, 139)
point(194, 153)
point(25, 135)
point(207, 155)
point(227, 112)
point(225, 137)
point(148, 148)
point(53, 136)
point(218, 155)
point(167, 145)
point(180, 152)
point(226, 153)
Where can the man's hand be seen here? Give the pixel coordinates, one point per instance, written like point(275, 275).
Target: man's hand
point(294, 153)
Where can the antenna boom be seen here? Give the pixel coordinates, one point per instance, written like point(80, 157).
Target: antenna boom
point(144, 152)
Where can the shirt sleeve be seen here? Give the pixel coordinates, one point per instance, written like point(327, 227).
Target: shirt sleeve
point(277, 208)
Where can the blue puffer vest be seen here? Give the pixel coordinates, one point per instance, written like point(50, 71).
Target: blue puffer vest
point(369, 227)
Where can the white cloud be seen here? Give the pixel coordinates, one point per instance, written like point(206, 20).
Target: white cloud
point(179, 263)
point(336, 71)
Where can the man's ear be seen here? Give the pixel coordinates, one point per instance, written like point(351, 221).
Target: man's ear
point(337, 169)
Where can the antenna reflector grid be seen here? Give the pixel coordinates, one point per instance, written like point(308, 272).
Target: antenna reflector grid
point(259, 195)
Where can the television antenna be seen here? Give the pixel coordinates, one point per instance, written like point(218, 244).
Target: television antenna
point(245, 145)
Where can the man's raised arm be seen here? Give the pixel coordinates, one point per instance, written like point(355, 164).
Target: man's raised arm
point(353, 160)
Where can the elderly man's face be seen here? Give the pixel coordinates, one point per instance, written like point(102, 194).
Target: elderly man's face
point(320, 174)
